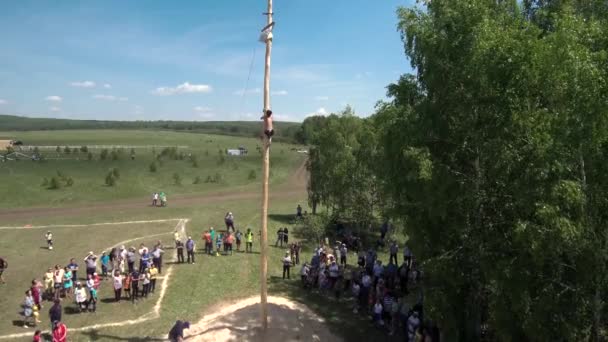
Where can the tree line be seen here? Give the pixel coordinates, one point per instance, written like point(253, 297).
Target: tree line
point(493, 154)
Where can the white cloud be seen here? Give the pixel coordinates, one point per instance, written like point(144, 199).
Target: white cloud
point(3, 102)
point(107, 86)
point(321, 98)
point(83, 84)
point(279, 92)
point(55, 109)
point(321, 111)
point(184, 88)
point(54, 98)
point(109, 97)
point(248, 91)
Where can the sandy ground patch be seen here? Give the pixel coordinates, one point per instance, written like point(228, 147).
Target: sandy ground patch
point(287, 321)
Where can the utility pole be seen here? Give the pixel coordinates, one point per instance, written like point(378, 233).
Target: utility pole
point(265, 176)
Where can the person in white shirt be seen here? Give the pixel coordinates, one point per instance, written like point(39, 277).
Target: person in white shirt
point(343, 254)
point(286, 265)
point(49, 239)
point(81, 297)
point(378, 313)
point(117, 285)
point(304, 271)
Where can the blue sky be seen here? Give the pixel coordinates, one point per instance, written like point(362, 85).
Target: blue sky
point(190, 60)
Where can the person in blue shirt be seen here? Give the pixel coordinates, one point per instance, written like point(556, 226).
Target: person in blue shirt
point(190, 249)
point(105, 261)
point(73, 266)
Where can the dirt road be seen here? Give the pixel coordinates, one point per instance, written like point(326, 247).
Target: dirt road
point(295, 185)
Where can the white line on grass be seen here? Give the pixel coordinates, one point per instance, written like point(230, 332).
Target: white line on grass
point(91, 224)
point(181, 226)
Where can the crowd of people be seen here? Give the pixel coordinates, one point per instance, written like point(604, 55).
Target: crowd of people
point(388, 294)
point(132, 273)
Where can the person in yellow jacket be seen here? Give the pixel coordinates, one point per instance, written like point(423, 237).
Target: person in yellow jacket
point(153, 274)
point(49, 283)
point(249, 241)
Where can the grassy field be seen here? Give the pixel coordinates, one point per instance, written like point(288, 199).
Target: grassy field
point(26, 186)
point(192, 290)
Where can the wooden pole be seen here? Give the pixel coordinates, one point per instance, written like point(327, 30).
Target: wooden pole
point(265, 176)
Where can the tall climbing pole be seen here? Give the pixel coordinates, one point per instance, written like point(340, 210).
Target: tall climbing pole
point(265, 176)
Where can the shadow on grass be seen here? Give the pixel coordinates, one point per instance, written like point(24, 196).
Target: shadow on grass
point(338, 314)
point(95, 335)
point(283, 218)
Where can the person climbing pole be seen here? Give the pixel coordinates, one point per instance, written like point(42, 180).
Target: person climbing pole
point(268, 128)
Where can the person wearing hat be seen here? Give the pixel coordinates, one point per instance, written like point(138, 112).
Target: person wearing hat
point(91, 263)
point(287, 263)
point(176, 334)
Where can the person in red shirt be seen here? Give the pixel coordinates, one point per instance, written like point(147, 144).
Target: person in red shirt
point(208, 243)
point(229, 242)
point(60, 332)
point(96, 281)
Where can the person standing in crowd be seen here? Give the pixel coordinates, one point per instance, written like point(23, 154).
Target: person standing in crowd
point(286, 265)
point(212, 235)
point(176, 334)
point(413, 323)
point(117, 285)
point(153, 274)
point(394, 249)
point(179, 245)
point(279, 238)
point(74, 268)
point(134, 286)
point(156, 257)
point(285, 236)
point(36, 294)
point(249, 241)
point(55, 311)
point(28, 309)
point(239, 236)
point(131, 259)
point(60, 332)
point(229, 220)
point(334, 272)
point(48, 280)
point(105, 262)
point(190, 249)
point(145, 281)
point(407, 256)
point(91, 263)
point(343, 254)
point(126, 285)
point(81, 296)
point(92, 304)
point(219, 240)
point(49, 239)
point(207, 240)
point(229, 242)
point(57, 281)
point(144, 259)
point(68, 283)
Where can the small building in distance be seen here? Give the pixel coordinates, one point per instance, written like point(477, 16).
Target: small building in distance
point(241, 151)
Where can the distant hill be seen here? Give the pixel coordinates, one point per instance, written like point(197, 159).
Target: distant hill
point(286, 131)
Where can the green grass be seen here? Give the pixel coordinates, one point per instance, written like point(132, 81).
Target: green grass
point(193, 289)
point(136, 181)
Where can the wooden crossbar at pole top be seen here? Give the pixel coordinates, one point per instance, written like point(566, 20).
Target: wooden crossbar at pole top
point(265, 176)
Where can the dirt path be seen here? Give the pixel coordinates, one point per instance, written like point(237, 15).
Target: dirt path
point(295, 185)
point(288, 321)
